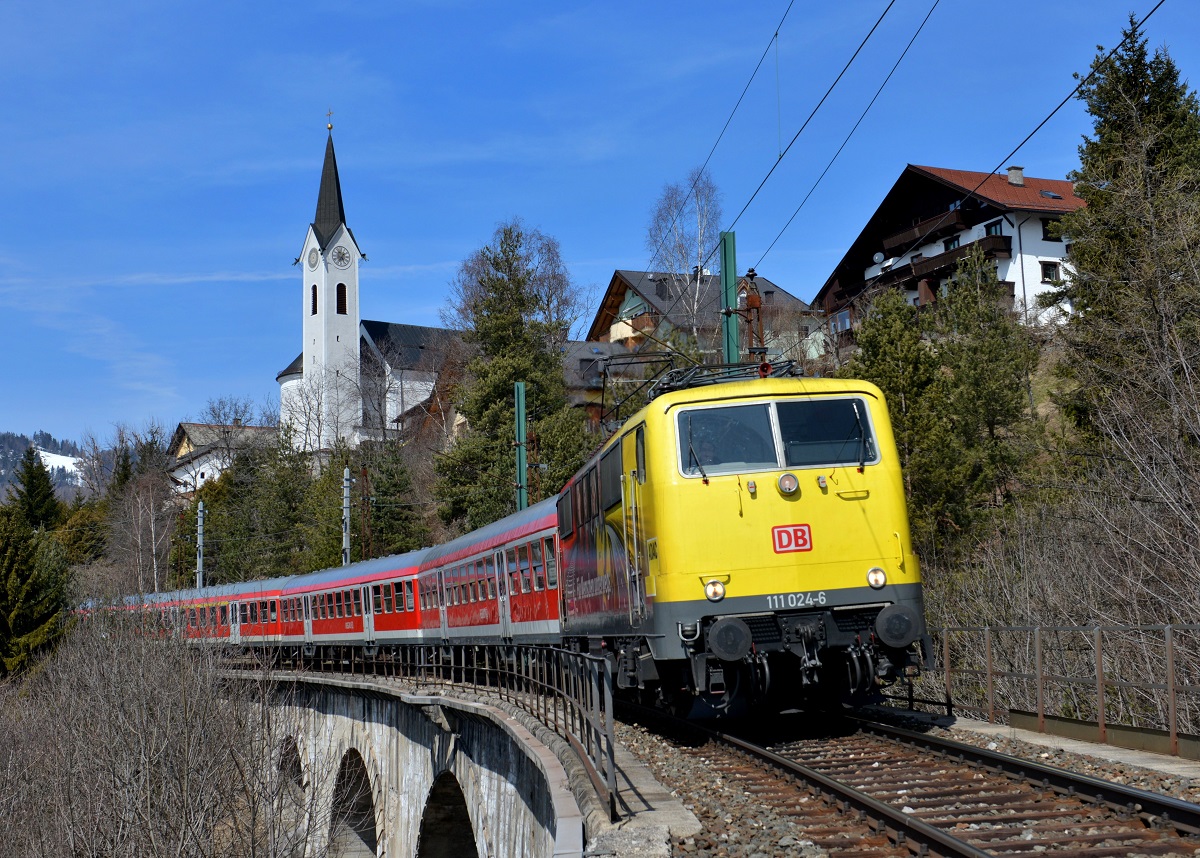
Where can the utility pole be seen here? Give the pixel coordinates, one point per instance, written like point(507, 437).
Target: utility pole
point(731, 350)
point(522, 464)
point(346, 517)
point(200, 546)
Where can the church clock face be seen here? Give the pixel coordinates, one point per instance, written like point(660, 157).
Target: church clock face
point(313, 258)
point(340, 256)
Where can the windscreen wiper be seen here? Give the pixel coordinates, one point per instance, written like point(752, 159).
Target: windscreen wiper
point(862, 438)
point(692, 452)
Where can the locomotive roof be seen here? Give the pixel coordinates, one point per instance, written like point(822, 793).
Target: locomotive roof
point(494, 534)
point(792, 386)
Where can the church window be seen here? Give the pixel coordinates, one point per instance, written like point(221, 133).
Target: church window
point(314, 299)
point(341, 299)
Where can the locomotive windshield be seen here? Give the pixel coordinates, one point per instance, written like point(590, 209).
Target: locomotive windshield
point(796, 433)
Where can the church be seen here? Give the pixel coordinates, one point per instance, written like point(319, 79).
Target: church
point(354, 379)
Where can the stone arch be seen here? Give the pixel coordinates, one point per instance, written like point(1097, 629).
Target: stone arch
point(293, 778)
point(446, 828)
point(353, 826)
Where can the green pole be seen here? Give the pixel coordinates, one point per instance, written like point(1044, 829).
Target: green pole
point(522, 466)
point(732, 350)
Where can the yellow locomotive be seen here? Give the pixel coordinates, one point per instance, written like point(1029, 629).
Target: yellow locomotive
point(742, 539)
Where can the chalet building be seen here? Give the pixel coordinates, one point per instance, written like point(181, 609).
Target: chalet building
point(933, 217)
point(641, 310)
point(200, 452)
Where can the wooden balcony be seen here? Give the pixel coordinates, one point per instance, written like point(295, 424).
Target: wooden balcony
point(993, 247)
point(930, 229)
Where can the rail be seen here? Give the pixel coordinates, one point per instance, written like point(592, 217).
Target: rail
point(1135, 686)
point(570, 693)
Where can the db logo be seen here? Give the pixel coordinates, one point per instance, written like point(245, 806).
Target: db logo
point(791, 537)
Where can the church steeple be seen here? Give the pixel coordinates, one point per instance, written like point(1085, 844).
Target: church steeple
point(330, 214)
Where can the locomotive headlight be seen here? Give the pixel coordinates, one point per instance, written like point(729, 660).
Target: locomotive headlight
point(876, 578)
point(714, 591)
point(788, 484)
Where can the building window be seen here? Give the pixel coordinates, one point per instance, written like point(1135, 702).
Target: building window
point(314, 299)
point(341, 299)
point(993, 228)
point(1049, 272)
point(1048, 229)
point(950, 243)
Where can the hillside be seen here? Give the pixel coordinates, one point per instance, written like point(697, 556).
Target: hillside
point(58, 456)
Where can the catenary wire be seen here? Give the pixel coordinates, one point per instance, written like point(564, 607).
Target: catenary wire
point(721, 135)
point(863, 116)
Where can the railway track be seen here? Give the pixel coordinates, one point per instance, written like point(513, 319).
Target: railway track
point(873, 790)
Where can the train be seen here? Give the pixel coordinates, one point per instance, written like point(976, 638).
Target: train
point(738, 540)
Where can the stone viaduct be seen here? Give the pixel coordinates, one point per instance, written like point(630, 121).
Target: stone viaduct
point(420, 776)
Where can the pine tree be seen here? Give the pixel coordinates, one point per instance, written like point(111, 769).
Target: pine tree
point(33, 591)
point(396, 524)
point(508, 289)
point(1133, 286)
point(955, 379)
point(33, 492)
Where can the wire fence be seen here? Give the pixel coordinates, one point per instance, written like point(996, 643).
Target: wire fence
point(1135, 686)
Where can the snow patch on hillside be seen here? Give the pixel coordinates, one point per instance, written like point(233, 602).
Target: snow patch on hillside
point(69, 464)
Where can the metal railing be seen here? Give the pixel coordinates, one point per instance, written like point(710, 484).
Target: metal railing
point(570, 693)
point(1137, 686)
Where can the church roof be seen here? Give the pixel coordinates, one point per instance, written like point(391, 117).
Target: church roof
point(330, 213)
point(404, 347)
point(412, 346)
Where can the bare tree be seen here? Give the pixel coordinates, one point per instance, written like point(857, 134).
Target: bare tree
point(142, 513)
point(558, 302)
point(130, 742)
point(683, 237)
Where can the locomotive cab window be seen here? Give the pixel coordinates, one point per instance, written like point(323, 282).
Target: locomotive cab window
point(726, 440)
point(826, 432)
point(797, 433)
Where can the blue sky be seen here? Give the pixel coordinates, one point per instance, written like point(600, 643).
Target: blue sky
point(160, 161)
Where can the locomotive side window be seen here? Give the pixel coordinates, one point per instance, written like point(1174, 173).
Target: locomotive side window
point(551, 563)
point(357, 602)
point(408, 595)
point(253, 613)
point(224, 615)
point(610, 478)
point(826, 432)
point(274, 610)
point(566, 523)
point(640, 442)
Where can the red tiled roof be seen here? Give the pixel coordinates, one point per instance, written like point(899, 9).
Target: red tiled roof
point(996, 189)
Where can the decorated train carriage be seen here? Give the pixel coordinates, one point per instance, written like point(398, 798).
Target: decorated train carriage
point(735, 535)
point(496, 583)
point(365, 603)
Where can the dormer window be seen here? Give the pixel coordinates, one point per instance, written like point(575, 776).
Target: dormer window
point(341, 299)
point(314, 299)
